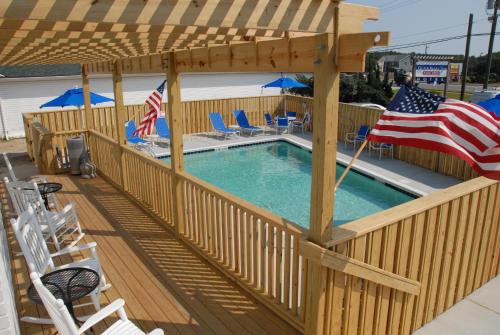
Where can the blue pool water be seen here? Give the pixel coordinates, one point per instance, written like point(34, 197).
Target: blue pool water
point(277, 176)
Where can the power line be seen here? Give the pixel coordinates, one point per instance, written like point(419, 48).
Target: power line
point(422, 43)
point(437, 29)
point(400, 5)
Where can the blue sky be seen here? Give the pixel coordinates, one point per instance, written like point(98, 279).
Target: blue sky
point(424, 20)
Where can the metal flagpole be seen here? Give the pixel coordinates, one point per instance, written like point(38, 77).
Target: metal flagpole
point(363, 145)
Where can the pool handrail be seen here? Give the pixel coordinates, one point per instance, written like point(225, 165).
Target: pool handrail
point(243, 123)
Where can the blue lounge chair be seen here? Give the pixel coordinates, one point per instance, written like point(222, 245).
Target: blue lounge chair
point(243, 123)
point(130, 127)
point(282, 124)
point(162, 128)
point(219, 126)
point(358, 137)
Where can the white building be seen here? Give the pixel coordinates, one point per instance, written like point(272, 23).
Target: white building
point(22, 95)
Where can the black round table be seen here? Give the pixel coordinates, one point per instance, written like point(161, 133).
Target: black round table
point(68, 285)
point(47, 188)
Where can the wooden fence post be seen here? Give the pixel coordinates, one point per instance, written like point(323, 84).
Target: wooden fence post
point(89, 118)
point(176, 145)
point(119, 114)
point(326, 104)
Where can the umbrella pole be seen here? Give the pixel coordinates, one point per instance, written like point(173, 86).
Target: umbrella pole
point(284, 103)
point(81, 116)
point(348, 168)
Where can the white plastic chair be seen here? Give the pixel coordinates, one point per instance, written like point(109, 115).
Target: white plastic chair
point(40, 260)
point(65, 324)
point(61, 227)
point(53, 203)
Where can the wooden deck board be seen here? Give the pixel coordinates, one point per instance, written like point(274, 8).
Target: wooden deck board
point(164, 283)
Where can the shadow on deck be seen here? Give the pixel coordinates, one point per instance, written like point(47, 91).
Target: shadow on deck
point(163, 282)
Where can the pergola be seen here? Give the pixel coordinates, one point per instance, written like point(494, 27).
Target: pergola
point(133, 36)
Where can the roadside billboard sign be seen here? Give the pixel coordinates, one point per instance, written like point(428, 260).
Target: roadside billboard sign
point(431, 71)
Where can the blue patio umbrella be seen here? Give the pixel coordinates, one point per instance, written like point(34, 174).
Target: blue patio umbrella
point(492, 105)
point(284, 82)
point(74, 97)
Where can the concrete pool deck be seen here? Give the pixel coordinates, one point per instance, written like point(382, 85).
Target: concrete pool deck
point(411, 178)
point(477, 314)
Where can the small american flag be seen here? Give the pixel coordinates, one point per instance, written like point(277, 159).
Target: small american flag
point(154, 103)
point(417, 118)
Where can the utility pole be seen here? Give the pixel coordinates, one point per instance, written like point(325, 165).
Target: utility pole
point(413, 67)
point(445, 89)
point(465, 67)
point(490, 47)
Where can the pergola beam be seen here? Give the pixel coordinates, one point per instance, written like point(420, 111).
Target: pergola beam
point(277, 55)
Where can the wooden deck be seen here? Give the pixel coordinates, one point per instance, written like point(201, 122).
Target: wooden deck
point(163, 282)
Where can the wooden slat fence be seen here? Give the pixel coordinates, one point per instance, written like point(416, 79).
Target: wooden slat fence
point(449, 242)
point(105, 154)
point(256, 247)
point(148, 180)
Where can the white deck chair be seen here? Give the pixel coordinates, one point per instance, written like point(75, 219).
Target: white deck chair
point(65, 324)
point(53, 203)
point(63, 227)
point(40, 260)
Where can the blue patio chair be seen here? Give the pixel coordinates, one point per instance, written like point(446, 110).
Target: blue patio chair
point(291, 114)
point(162, 128)
point(302, 124)
point(219, 126)
point(130, 127)
point(358, 137)
point(381, 147)
point(282, 124)
point(243, 123)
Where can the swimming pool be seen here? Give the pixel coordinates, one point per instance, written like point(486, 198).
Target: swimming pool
point(277, 176)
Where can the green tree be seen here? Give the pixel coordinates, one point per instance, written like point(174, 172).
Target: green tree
point(354, 89)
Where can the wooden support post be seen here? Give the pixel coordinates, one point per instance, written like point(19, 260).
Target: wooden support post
point(89, 119)
point(176, 145)
point(326, 104)
point(119, 106)
point(119, 114)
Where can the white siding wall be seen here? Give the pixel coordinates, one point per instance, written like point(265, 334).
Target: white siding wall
point(8, 315)
point(21, 95)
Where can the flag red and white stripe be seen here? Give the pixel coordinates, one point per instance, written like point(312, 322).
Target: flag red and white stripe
point(458, 128)
point(149, 120)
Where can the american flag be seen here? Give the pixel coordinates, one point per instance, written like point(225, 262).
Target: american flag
point(154, 103)
point(417, 118)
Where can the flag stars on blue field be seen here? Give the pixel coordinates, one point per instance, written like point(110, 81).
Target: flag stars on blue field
point(411, 99)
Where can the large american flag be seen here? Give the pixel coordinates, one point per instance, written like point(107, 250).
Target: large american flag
point(421, 119)
point(154, 103)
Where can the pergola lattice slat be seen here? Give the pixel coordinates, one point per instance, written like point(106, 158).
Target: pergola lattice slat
point(69, 31)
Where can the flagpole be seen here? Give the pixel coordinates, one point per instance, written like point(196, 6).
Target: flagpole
point(348, 168)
